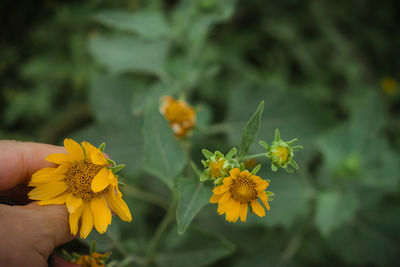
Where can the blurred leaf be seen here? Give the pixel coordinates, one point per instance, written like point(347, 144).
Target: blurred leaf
point(195, 248)
point(163, 154)
point(154, 92)
point(146, 24)
point(250, 131)
point(333, 210)
point(192, 197)
point(126, 53)
point(110, 98)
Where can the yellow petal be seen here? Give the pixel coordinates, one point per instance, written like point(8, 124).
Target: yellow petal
point(63, 168)
point(58, 158)
point(73, 203)
point(43, 171)
point(257, 208)
point(102, 179)
point(118, 206)
point(87, 220)
point(47, 191)
point(264, 198)
point(47, 178)
point(243, 213)
point(94, 154)
point(234, 173)
point(220, 189)
point(228, 181)
point(57, 200)
point(233, 213)
point(215, 198)
point(101, 214)
point(74, 219)
point(74, 149)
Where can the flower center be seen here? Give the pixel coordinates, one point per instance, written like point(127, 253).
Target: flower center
point(79, 179)
point(281, 153)
point(216, 167)
point(243, 190)
point(178, 112)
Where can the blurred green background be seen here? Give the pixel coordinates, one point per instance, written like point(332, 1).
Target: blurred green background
point(327, 71)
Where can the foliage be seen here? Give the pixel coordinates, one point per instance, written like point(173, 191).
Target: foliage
point(96, 71)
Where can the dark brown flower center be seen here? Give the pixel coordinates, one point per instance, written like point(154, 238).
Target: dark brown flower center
point(243, 190)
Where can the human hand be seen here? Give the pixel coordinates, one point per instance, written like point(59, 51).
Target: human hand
point(29, 233)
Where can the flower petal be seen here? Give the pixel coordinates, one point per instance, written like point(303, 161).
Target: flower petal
point(118, 206)
point(102, 179)
point(234, 173)
point(87, 221)
point(218, 190)
point(57, 200)
point(73, 203)
point(74, 149)
point(233, 213)
point(47, 178)
point(243, 212)
point(47, 191)
point(94, 154)
point(215, 198)
point(264, 198)
point(74, 219)
point(101, 214)
point(58, 158)
point(257, 208)
point(44, 171)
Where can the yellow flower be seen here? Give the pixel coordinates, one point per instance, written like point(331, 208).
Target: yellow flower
point(217, 168)
point(238, 191)
point(94, 260)
point(83, 181)
point(180, 115)
point(280, 155)
point(389, 85)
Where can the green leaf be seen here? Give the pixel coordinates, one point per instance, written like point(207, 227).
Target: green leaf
point(125, 53)
point(333, 210)
point(250, 131)
point(195, 248)
point(192, 197)
point(208, 154)
point(164, 157)
point(146, 24)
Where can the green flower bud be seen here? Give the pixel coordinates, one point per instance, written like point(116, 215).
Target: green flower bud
point(281, 153)
point(217, 166)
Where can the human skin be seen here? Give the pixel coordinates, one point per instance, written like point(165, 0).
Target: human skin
point(29, 233)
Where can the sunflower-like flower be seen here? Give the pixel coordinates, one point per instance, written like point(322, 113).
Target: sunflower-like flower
point(281, 153)
point(180, 115)
point(239, 191)
point(85, 183)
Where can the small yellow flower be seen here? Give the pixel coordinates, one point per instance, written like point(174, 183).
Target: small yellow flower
point(389, 85)
point(280, 154)
point(239, 191)
point(93, 260)
point(83, 182)
point(180, 115)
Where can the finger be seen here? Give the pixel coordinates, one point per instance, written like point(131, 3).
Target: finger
point(52, 222)
point(60, 262)
point(19, 160)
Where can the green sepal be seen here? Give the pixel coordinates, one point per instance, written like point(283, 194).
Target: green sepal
point(292, 141)
point(264, 145)
point(231, 153)
point(274, 168)
point(219, 180)
point(297, 148)
point(242, 167)
point(66, 255)
point(205, 163)
point(110, 161)
point(204, 176)
point(102, 147)
point(277, 135)
point(117, 168)
point(294, 164)
point(92, 246)
point(270, 195)
point(208, 154)
point(75, 256)
point(256, 169)
point(122, 184)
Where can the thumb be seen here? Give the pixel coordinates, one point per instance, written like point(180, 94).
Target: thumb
point(51, 221)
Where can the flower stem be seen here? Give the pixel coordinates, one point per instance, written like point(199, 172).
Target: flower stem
point(253, 156)
point(168, 218)
point(138, 193)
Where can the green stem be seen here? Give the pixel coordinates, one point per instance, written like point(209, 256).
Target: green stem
point(253, 156)
point(138, 193)
point(168, 218)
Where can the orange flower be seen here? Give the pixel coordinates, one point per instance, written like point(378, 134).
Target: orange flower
point(180, 115)
point(239, 191)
